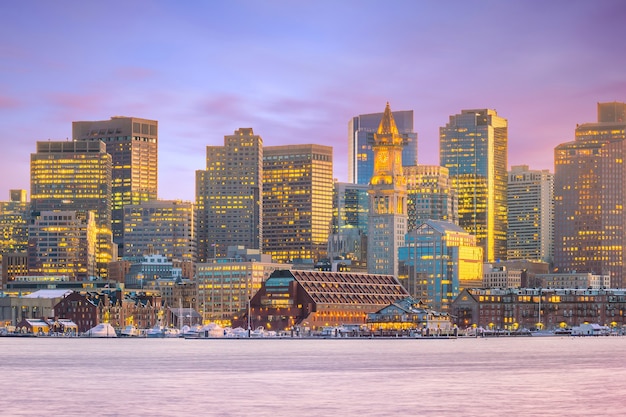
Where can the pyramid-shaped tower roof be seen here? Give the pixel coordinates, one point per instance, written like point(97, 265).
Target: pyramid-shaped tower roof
point(387, 132)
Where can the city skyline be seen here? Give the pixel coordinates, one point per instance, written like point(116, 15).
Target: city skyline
point(297, 74)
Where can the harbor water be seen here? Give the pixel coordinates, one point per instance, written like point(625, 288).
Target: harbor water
point(529, 376)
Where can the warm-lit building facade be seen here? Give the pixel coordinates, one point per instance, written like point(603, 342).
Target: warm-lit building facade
point(429, 195)
point(538, 308)
point(297, 201)
point(530, 201)
point(63, 243)
point(473, 146)
point(388, 207)
point(66, 175)
point(590, 196)
point(226, 284)
point(165, 227)
point(14, 218)
point(439, 259)
point(361, 130)
point(229, 195)
point(316, 299)
point(133, 145)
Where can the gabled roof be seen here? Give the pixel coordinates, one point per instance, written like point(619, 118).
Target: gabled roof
point(442, 226)
point(349, 288)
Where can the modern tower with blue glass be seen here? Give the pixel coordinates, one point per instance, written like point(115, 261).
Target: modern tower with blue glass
point(473, 147)
point(361, 130)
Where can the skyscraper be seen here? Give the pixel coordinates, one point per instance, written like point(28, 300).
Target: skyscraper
point(229, 207)
point(350, 222)
point(163, 227)
point(590, 196)
point(75, 176)
point(430, 195)
point(361, 130)
point(133, 145)
point(62, 243)
point(530, 196)
point(473, 146)
point(388, 207)
point(297, 201)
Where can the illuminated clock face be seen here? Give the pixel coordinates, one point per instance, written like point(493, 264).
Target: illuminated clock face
point(383, 156)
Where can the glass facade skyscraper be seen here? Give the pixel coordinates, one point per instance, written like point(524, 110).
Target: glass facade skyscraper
point(361, 130)
point(440, 259)
point(473, 146)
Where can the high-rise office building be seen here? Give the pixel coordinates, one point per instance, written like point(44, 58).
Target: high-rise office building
point(14, 218)
point(430, 195)
point(530, 196)
point(63, 243)
point(133, 145)
point(439, 260)
point(348, 237)
point(388, 206)
point(361, 130)
point(164, 227)
point(297, 201)
point(589, 194)
point(473, 146)
point(75, 176)
point(229, 206)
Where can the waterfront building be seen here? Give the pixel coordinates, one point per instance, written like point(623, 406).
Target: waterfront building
point(229, 195)
point(361, 130)
point(530, 201)
point(538, 308)
point(76, 176)
point(63, 243)
point(316, 299)
point(297, 202)
point(430, 195)
point(438, 260)
point(133, 145)
point(499, 276)
point(117, 307)
point(388, 207)
point(348, 238)
point(590, 221)
point(160, 226)
point(574, 280)
point(473, 147)
point(225, 285)
point(409, 315)
point(37, 305)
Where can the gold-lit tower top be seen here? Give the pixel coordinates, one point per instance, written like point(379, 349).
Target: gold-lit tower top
point(387, 152)
point(387, 130)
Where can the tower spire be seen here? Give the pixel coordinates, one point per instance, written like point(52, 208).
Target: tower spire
point(387, 130)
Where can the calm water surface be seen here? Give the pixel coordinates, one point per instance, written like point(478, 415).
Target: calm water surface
point(548, 376)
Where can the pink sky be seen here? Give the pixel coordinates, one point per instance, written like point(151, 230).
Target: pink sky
point(296, 72)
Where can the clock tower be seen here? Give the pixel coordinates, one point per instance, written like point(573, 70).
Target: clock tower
point(387, 196)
